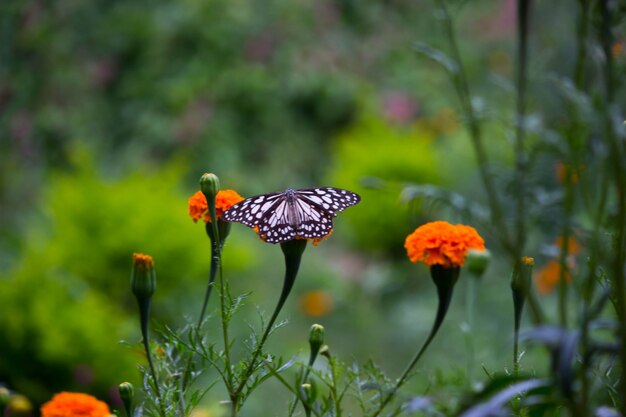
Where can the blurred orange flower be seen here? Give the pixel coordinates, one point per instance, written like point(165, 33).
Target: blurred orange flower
point(549, 276)
point(561, 172)
point(617, 48)
point(573, 247)
point(316, 303)
point(74, 404)
point(198, 207)
point(441, 243)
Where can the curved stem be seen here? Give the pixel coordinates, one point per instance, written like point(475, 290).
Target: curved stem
point(444, 279)
point(144, 317)
point(307, 372)
point(470, 295)
point(523, 7)
point(212, 274)
point(293, 254)
point(461, 85)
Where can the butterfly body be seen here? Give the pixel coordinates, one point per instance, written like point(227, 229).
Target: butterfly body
point(293, 214)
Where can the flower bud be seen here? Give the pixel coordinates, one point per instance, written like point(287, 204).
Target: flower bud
point(19, 406)
point(127, 392)
point(520, 280)
point(143, 276)
point(5, 395)
point(477, 262)
point(308, 393)
point(210, 185)
point(316, 338)
point(325, 351)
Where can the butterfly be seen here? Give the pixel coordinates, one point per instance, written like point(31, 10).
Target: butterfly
point(279, 217)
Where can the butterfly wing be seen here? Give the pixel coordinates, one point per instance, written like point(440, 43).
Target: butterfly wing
point(309, 215)
point(328, 199)
point(252, 210)
point(275, 225)
point(312, 222)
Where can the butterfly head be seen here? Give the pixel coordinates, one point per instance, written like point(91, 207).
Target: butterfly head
point(290, 194)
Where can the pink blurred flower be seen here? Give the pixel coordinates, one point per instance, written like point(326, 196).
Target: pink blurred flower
point(400, 108)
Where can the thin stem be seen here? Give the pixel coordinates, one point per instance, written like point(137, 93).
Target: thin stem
point(445, 279)
point(568, 207)
point(215, 257)
point(292, 264)
point(333, 388)
point(307, 372)
point(225, 319)
point(523, 7)
point(470, 296)
point(617, 154)
point(144, 317)
point(461, 84)
point(212, 274)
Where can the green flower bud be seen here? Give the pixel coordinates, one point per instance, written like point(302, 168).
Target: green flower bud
point(5, 396)
point(308, 393)
point(316, 338)
point(477, 261)
point(325, 351)
point(127, 392)
point(143, 276)
point(210, 185)
point(19, 406)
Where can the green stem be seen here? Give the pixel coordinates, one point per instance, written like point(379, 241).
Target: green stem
point(212, 274)
point(293, 255)
point(307, 372)
point(461, 84)
point(617, 154)
point(144, 317)
point(215, 261)
point(333, 374)
point(444, 279)
point(470, 296)
point(523, 7)
point(568, 207)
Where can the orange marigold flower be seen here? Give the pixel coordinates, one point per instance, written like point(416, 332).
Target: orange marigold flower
point(549, 276)
point(73, 404)
point(198, 207)
point(617, 48)
point(561, 171)
point(573, 247)
point(316, 303)
point(143, 261)
point(441, 243)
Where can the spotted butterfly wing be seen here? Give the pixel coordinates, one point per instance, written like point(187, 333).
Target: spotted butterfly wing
point(279, 217)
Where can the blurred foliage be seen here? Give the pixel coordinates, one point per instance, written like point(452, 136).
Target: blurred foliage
point(106, 107)
point(66, 302)
point(376, 149)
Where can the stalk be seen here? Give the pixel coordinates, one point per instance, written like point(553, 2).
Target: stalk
point(293, 255)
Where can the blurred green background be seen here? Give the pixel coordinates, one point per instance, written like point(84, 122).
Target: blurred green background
point(111, 110)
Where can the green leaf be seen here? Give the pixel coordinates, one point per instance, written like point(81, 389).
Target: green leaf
point(438, 56)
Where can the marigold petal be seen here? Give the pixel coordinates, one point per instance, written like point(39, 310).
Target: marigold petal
point(441, 243)
point(199, 208)
point(73, 404)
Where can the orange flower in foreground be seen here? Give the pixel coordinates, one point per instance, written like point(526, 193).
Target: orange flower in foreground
point(441, 243)
point(198, 207)
point(73, 404)
point(549, 276)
